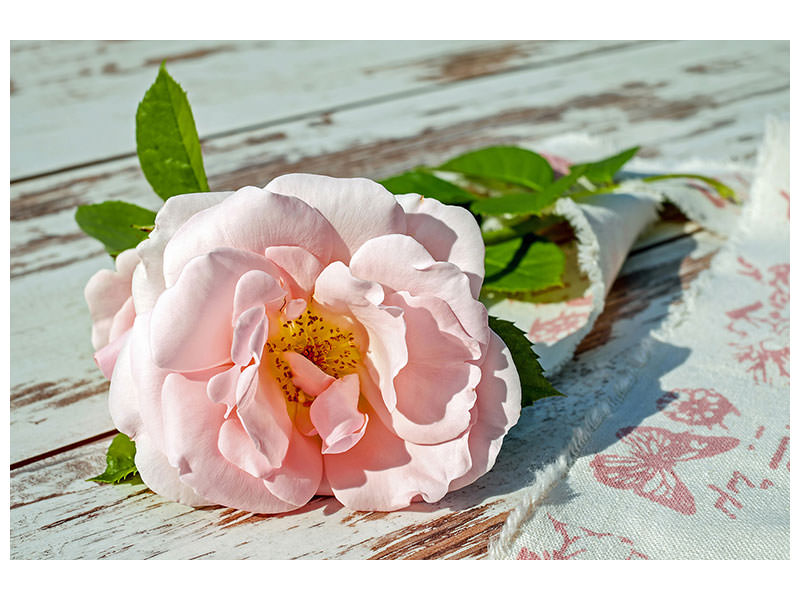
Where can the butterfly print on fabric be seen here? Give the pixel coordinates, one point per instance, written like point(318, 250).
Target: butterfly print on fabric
point(648, 469)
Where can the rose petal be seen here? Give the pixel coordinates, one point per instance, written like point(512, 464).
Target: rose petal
point(257, 288)
point(336, 417)
point(148, 278)
point(449, 233)
point(203, 294)
point(237, 447)
point(497, 408)
point(382, 472)
point(262, 411)
point(386, 353)
point(249, 219)
point(401, 263)
point(106, 292)
point(298, 478)
point(123, 402)
point(306, 375)
point(358, 209)
point(122, 321)
point(249, 336)
point(161, 477)
point(299, 267)
point(436, 388)
point(107, 356)
point(193, 423)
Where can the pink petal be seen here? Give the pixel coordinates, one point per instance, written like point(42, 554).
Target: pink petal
point(386, 353)
point(262, 411)
point(106, 293)
point(249, 219)
point(148, 278)
point(436, 389)
point(449, 233)
point(236, 446)
point(257, 288)
point(336, 417)
point(221, 387)
point(122, 321)
point(249, 336)
point(192, 424)
point(123, 402)
point(294, 308)
point(401, 263)
point(358, 209)
point(106, 357)
point(299, 267)
point(191, 322)
point(298, 478)
point(162, 477)
point(382, 472)
point(496, 411)
point(306, 375)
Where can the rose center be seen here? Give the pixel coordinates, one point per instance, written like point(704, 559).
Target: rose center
point(328, 345)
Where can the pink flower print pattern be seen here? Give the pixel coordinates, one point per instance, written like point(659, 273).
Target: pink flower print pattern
point(763, 326)
point(577, 540)
point(648, 469)
point(699, 407)
point(567, 322)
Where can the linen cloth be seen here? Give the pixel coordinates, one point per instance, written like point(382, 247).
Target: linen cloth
point(686, 453)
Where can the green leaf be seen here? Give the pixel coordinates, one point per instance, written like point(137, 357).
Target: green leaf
point(603, 171)
point(120, 467)
point(167, 141)
point(523, 265)
point(118, 225)
point(428, 185)
point(531, 375)
point(504, 163)
point(722, 189)
point(529, 204)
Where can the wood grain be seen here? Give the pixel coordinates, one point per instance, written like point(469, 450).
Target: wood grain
point(88, 91)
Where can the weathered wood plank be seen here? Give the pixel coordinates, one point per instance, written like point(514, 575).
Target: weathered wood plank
point(56, 514)
point(51, 260)
point(87, 91)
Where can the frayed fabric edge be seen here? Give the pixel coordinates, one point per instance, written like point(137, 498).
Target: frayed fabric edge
point(550, 476)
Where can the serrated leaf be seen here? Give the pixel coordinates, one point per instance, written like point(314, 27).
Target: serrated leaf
point(603, 171)
point(504, 163)
point(118, 225)
point(120, 466)
point(528, 204)
point(531, 375)
point(166, 140)
point(523, 265)
point(428, 185)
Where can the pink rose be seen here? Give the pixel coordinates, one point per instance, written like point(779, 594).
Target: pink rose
point(319, 336)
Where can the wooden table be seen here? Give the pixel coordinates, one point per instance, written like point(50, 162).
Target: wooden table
point(346, 109)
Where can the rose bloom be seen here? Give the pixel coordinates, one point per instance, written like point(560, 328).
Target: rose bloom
point(317, 336)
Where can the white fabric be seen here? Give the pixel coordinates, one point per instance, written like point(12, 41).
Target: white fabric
point(606, 227)
point(686, 452)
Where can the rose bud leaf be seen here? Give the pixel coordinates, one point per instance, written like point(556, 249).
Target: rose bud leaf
point(118, 225)
point(531, 375)
point(603, 171)
point(523, 265)
point(166, 140)
point(120, 467)
point(530, 203)
point(504, 163)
